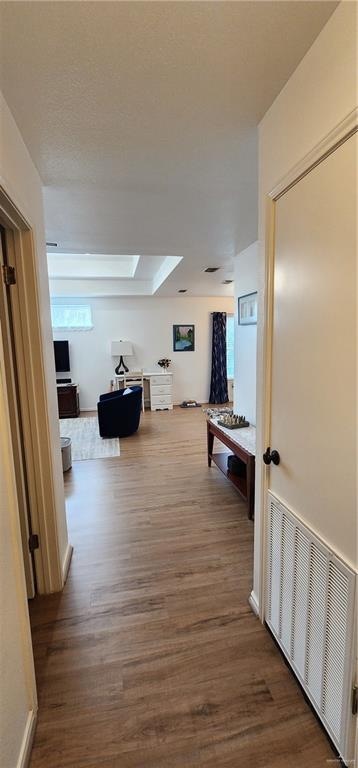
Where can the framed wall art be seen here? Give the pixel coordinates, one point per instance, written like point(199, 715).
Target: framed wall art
point(247, 309)
point(183, 338)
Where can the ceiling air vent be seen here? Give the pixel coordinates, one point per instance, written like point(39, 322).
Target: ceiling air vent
point(211, 269)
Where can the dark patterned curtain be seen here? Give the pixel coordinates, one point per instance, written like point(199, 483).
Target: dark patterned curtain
point(218, 385)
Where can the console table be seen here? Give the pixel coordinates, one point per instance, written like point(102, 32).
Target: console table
point(242, 444)
point(160, 389)
point(68, 401)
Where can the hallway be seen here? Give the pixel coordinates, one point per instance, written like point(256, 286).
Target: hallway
point(151, 657)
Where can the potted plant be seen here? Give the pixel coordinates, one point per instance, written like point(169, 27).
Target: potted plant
point(164, 362)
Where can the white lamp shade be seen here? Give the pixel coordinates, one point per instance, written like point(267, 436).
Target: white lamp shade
point(119, 348)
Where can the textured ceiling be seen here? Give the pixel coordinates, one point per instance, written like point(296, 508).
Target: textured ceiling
point(141, 119)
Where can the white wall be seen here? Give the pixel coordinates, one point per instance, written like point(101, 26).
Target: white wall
point(21, 182)
point(148, 323)
point(318, 96)
point(246, 274)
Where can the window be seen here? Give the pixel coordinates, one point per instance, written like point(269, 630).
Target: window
point(230, 346)
point(71, 318)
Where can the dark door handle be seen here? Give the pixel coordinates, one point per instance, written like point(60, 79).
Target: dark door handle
point(271, 456)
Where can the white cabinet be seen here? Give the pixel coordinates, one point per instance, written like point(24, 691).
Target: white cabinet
point(161, 392)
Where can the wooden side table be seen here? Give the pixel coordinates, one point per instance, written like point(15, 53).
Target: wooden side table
point(68, 401)
point(243, 447)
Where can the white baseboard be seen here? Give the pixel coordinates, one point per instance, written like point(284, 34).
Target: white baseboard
point(28, 737)
point(254, 604)
point(67, 562)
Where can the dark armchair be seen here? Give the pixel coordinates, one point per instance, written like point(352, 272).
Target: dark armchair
point(119, 414)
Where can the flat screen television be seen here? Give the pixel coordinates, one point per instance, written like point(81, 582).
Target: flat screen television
point(62, 356)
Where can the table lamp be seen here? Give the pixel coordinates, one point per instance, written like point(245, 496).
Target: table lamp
point(119, 349)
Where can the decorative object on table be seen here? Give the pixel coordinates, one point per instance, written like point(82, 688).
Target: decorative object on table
point(183, 338)
point(218, 383)
point(164, 362)
point(247, 309)
point(121, 349)
point(232, 421)
point(190, 404)
point(213, 412)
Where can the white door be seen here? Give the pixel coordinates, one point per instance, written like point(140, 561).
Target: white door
point(314, 386)
point(313, 398)
point(12, 387)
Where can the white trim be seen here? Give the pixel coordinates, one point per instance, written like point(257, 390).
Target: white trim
point(264, 433)
point(67, 562)
point(28, 737)
point(254, 604)
point(340, 133)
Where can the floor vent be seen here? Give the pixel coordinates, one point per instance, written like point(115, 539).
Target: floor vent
point(310, 610)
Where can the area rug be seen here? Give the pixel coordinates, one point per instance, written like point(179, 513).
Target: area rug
point(86, 441)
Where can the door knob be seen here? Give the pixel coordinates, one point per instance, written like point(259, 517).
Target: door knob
point(271, 456)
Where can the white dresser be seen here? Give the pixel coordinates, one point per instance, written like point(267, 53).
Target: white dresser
point(161, 391)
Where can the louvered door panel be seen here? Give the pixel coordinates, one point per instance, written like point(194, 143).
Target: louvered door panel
point(301, 567)
point(316, 622)
point(309, 608)
point(275, 566)
point(335, 641)
point(287, 573)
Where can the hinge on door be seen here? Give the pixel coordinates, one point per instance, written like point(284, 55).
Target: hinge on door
point(355, 699)
point(9, 274)
point(33, 542)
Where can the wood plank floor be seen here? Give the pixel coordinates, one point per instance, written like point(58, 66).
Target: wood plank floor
point(151, 657)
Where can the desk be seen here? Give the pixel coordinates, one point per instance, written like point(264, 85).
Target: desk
point(242, 444)
point(160, 389)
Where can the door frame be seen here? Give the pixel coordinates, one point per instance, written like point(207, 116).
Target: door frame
point(21, 250)
point(337, 136)
point(11, 380)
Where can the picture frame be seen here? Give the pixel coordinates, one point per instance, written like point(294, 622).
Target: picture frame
point(247, 309)
point(184, 338)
